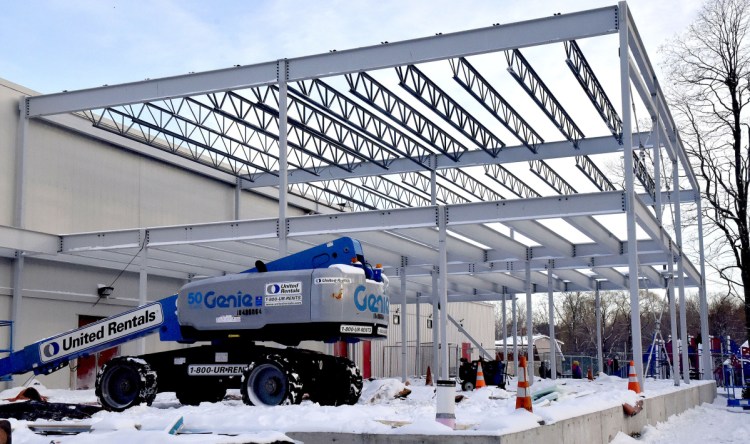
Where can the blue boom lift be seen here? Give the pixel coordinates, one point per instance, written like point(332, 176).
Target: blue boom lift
point(326, 293)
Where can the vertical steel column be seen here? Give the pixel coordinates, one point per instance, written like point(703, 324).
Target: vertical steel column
point(673, 322)
point(513, 310)
point(627, 140)
point(404, 360)
point(680, 276)
point(19, 218)
point(707, 364)
point(433, 180)
point(17, 302)
point(505, 331)
point(599, 352)
point(443, 290)
point(143, 282)
point(552, 337)
point(435, 323)
point(529, 326)
point(282, 74)
point(237, 195)
point(418, 339)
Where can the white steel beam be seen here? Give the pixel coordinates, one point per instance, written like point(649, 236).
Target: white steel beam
point(28, 241)
point(546, 30)
point(514, 154)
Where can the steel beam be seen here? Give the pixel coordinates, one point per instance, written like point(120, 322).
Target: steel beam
point(557, 28)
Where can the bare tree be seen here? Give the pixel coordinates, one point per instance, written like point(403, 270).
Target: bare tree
point(708, 69)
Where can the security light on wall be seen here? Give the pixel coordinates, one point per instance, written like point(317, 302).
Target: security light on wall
point(429, 321)
point(104, 291)
point(396, 317)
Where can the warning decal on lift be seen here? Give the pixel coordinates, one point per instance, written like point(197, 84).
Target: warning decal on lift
point(356, 329)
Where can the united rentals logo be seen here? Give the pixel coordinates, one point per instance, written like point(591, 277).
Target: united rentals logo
point(102, 332)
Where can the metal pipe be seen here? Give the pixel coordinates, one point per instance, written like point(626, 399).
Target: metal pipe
point(529, 326)
point(403, 318)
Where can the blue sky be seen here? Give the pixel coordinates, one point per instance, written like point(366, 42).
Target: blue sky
point(50, 46)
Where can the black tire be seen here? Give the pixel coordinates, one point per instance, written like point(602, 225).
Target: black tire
point(351, 396)
point(195, 396)
point(467, 386)
point(270, 381)
point(124, 382)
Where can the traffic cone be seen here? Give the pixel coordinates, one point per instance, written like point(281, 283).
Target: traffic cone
point(633, 379)
point(480, 377)
point(590, 375)
point(428, 378)
point(523, 394)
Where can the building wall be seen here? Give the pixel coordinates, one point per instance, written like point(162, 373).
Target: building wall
point(478, 321)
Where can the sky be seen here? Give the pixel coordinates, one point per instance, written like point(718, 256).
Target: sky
point(51, 46)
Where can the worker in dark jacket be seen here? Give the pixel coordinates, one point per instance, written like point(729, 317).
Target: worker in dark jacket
point(576, 370)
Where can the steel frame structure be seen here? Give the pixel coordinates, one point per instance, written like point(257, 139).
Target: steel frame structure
point(401, 171)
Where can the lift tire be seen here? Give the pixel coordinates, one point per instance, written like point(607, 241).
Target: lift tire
point(270, 381)
point(124, 382)
point(351, 395)
point(467, 386)
point(201, 394)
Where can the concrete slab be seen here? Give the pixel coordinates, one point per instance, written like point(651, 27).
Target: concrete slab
point(597, 427)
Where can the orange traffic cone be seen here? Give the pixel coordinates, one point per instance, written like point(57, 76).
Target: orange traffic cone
point(480, 377)
point(590, 375)
point(633, 379)
point(523, 394)
point(428, 378)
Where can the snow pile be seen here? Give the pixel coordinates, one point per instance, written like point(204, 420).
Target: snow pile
point(384, 408)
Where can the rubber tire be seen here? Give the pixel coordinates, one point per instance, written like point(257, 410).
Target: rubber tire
point(203, 394)
point(124, 382)
point(467, 386)
point(269, 382)
point(351, 396)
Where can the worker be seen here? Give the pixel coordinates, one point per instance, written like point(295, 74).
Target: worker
point(576, 370)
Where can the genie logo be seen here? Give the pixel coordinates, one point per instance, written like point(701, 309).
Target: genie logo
point(370, 302)
point(212, 300)
point(51, 349)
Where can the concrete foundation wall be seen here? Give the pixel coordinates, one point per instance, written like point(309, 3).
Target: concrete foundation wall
point(597, 427)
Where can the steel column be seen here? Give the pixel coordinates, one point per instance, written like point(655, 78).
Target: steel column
point(237, 196)
point(707, 364)
point(418, 339)
point(17, 302)
point(681, 280)
point(18, 215)
point(435, 324)
point(143, 282)
point(282, 75)
point(529, 326)
point(599, 345)
point(673, 322)
point(505, 332)
point(443, 291)
point(513, 307)
point(552, 338)
point(627, 140)
point(403, 319)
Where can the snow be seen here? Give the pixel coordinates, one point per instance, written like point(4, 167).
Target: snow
point(486, 411)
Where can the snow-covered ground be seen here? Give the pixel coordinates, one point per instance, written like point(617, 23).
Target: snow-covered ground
point(486, 411)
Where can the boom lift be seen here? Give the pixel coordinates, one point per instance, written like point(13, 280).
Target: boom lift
point(326, 293)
